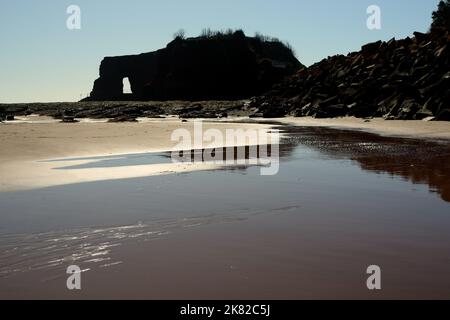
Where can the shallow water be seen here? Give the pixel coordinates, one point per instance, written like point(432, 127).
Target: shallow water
point(342, 201)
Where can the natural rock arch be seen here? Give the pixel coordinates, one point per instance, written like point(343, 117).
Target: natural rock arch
point(224, 66)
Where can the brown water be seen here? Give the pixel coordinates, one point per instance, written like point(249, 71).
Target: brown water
point(342, 201)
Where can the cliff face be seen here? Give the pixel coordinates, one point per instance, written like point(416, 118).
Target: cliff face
point(398, 79)
point(222, 67)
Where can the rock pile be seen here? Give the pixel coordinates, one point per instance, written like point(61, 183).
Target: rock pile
point(397, 79)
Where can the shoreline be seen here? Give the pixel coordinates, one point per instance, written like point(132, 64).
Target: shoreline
point(439, 130)
point(417, 129)
point(30, 147)
point(380, 190)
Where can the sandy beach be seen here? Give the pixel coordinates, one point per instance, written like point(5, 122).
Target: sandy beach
point(224, 160)
point(30, 145)
point(342, 200)
point(392, 128)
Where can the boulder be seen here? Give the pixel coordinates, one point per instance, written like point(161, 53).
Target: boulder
point(371, 48)
point(123, 118)
point(443, 115)
point(68, 119)
point(420, 37)
point(2, 113)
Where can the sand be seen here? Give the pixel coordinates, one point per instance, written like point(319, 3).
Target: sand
point(27, 146)
point(394, 128)
point(313, 238)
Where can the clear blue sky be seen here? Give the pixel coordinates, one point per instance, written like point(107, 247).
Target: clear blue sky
point(41, 60)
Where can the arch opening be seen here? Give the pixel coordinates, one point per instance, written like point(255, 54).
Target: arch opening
point(126, 86)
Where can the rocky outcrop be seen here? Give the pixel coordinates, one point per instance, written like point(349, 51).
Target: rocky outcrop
point(119, 111)
point(2, 113)
point(5, 115)
point(223, 66)
point(398, 79)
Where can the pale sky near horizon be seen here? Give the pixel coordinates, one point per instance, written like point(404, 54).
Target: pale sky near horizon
point(41, 60)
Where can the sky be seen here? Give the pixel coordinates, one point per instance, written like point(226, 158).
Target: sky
point(41, 60)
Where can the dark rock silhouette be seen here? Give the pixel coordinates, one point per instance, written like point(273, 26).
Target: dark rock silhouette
point(220, 66)
point(398, 79)
point(129, 110)
point(2, 113)
point(441, 17)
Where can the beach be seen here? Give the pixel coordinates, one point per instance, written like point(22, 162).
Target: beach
point(32, 141)
point(225, 159)
point(419, 129)
point(35, 139)
point(103, 196)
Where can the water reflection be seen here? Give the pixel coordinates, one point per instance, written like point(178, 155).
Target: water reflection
point(276, 225)
point(419, 161)
point(226, 155)
point(93, 247)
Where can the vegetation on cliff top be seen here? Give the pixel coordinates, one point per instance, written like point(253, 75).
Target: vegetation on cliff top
point(208, 34)
point(441, 17)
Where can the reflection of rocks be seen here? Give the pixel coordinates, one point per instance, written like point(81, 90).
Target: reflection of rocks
point(429, 170)
point(416, 160)
point(227, 154)
point(421, 162)
point(398, 79)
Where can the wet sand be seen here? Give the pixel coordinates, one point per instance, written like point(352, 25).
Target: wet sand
point(343, 200)
point(392, 128)
point(28, 149)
